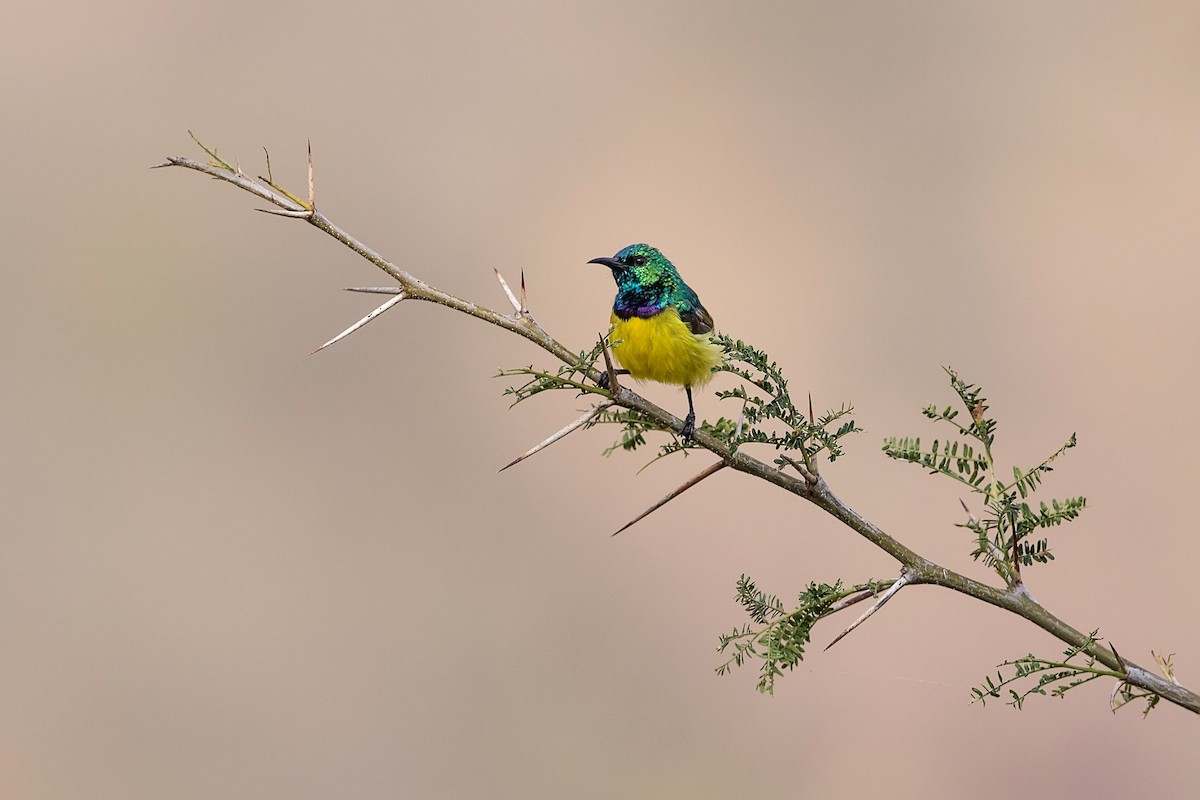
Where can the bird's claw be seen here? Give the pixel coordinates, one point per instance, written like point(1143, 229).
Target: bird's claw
point(603, 382)
point(689, 426)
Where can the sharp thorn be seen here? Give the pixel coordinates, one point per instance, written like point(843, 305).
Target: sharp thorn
point(361, 322)
point(512, 298)
point(883, 598)
point(312, 200)
point(377, 289)
point(1117, 655)
point(587, 417)
point(524, 309)
point(613, 387)
point(672, 495)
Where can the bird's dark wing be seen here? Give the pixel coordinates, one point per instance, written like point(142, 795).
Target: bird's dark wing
point(698, 319)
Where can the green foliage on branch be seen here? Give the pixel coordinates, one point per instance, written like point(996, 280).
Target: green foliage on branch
point(1001, 535)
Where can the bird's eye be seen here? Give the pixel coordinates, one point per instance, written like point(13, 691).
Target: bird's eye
point(637, 261)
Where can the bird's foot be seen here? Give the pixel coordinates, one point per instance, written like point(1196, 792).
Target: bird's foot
point(689, 426)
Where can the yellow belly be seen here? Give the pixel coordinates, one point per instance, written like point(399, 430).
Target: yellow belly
point(662, 348)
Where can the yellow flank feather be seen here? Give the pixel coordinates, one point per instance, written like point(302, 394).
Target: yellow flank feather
point(662, 348)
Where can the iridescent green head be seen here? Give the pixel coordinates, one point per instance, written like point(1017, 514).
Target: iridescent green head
point(647, 283)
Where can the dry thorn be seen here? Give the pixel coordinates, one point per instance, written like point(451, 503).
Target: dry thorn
point(673, 494)
point(1117, 656)
point(312, 195)
point(811, 418)
point(302, 213)
point(524, 309)
point(588, 416)
point(512, 298)
point(1113, 705)
point(846, 602)
point(399, 296)
point(376, 289)
point(883, 598)
point(270, 177)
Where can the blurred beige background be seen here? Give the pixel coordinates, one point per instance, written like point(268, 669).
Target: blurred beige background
point(229, 569)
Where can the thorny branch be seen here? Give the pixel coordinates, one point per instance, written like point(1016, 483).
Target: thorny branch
point(811, 487)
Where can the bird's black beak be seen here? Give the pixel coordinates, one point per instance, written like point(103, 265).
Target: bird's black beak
point(611, 263)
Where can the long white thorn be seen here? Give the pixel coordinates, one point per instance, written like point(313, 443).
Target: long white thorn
point(512, 298)
point(587, 417)
point(361, 322)
point(883, 598)
point(376, 289)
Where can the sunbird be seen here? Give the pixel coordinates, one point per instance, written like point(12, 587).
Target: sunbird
point(660, 330)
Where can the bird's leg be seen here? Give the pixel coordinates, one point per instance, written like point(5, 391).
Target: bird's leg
point(689, 422)
point(603, 382)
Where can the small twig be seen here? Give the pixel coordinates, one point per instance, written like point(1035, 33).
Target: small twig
point(270, 177)
point(400, 296)
point(512, 298)
point(217, 161)
point(1166, 667)
point(673, 494)
point(809, 477)
point(554, 437)
point(883, 598)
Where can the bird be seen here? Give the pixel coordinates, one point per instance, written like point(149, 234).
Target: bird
point(661, 332)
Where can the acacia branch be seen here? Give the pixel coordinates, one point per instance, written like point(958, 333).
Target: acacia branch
point(916, 568)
